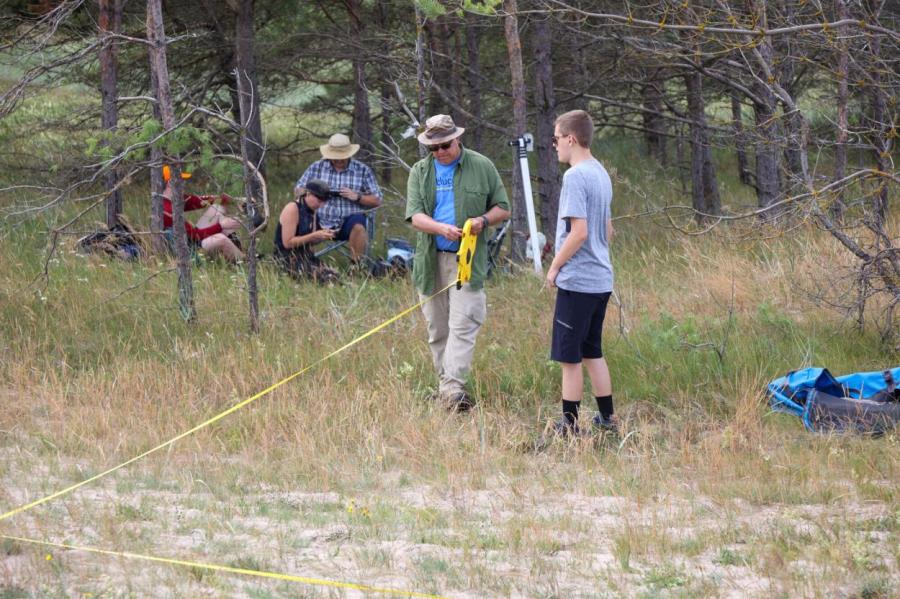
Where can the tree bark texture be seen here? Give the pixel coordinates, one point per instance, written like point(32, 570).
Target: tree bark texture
point(156, 36)
point(473, 79)
point(157, 185)
point(740, 139)
point(439, 73)
point(110, 22)
point(768, 142)
point(383, 12)
point(545, 105)
point(768, 164)
point(655, 125)
point(843, 123)
point(786, 70)
point(420, 71)
point(880, 134)
point(704, 186)
point(362, 118)
point(679, 156)
point(247, 87)
point(251, 190)
point(517, 79)
point(453, 48)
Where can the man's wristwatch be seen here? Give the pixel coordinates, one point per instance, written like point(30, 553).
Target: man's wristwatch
point(485, 223)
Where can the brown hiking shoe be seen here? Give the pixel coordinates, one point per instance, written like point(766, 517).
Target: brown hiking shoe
point(460, 402)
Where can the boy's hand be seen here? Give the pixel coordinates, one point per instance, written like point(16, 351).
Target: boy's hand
point(550, 281)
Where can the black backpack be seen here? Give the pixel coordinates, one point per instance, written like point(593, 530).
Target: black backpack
point(118, 242)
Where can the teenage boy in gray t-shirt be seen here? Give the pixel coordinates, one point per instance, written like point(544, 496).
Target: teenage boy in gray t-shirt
point(582, 273)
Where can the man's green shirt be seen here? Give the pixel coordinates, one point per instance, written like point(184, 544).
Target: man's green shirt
point(476, 189)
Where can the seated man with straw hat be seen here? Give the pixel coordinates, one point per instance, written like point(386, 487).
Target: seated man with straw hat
point(354, 192)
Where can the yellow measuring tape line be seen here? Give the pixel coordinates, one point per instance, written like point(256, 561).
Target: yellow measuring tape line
point(223, 414)
point(464, 269)
point(229, 569)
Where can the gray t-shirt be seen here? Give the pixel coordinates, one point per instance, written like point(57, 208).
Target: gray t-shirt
point(586, 193)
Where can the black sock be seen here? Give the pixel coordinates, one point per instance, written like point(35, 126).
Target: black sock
point(570, 411)
point(605, 405)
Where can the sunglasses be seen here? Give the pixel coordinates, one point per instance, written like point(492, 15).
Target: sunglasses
point(557, 138)
point(444, 146)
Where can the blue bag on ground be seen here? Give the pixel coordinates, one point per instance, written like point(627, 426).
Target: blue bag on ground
point(863, 402)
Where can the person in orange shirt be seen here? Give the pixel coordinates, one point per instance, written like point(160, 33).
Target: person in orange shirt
point(214, 230)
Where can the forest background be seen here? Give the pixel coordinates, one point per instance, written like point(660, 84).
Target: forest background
point(751, 146)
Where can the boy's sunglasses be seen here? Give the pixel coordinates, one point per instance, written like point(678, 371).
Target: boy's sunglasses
point(557, 139)
point(442, 146)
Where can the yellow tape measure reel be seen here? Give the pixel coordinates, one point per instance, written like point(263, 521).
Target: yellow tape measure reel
point(465, 255)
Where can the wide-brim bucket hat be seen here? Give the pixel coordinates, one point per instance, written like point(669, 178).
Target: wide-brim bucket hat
point(439, 129)
point(338, 148)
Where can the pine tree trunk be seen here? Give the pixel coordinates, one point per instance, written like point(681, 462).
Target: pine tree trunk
point(655, 128)
point(251, 191)
point(156, 36)
point(439, 72)
point(768, 149)
point(247, 88)
point(517, 78)
point(545, 103)
point(843, 95)
point(740, 142)
point(453, 47)
point(384, 15)
point(881, 131)
point(768, 142)
point(110, 22)
point(793, 122)
point(420, 71)
point(473, 78)
point(362, 118)
point(157, 240)
point(704, 188)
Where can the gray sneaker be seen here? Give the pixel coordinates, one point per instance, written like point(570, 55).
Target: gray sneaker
point(563, 428)
point(605, 424)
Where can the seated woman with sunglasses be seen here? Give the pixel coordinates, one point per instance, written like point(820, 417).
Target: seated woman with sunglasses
point(299, 229)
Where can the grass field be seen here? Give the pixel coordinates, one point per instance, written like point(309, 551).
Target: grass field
point(347, 474)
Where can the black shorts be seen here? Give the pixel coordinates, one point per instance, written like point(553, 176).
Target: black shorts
point(578, 326)
point(351, 221)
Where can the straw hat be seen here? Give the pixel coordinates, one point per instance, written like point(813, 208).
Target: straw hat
point(338, 147)
point(438, 129)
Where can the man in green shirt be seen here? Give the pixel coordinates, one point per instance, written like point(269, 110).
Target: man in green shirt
point(445, 190)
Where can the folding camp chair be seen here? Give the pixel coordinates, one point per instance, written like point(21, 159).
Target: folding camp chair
point(341, 246)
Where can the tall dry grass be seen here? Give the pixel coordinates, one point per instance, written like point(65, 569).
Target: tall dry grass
point(703, 482)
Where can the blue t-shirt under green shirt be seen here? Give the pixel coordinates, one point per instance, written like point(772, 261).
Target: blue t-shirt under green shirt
point(444, 207)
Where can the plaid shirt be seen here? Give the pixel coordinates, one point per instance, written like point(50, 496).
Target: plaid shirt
point(357, 176)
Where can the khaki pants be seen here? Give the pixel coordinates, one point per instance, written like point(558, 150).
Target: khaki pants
point(454, 318)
